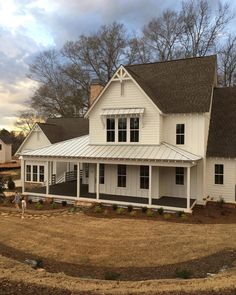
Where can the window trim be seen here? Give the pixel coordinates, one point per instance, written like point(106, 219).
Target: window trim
point(120, 175)
point(111, 130)
point(122, 129)
point(32, 173)
point(179, 175)
point(134, 129)
point(180, 134)
point(144, 177)
point(219, 174)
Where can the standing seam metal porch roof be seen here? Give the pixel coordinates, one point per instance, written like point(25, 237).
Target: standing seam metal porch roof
point(80, 148)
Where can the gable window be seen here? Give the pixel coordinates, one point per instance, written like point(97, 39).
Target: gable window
point(110, 129)
point(134, 129)
point(219, 174)
point(35, 173)
point(121, 175)
point(41, 173)
point(28, 172)
point(179, 175)
point(101, 173)
point(180, 133)
point(144, 177)
point(122, 129)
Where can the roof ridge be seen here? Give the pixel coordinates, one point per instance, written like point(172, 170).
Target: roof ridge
point(172, 60)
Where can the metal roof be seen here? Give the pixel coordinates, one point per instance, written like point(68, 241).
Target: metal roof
point(123, 111)
point(79, 148)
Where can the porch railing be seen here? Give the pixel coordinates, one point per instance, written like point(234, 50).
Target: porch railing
point(71, 175)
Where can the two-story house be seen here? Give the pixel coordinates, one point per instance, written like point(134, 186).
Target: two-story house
point(160, 135)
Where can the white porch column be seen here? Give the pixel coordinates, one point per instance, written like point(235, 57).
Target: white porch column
point(97, 182)
point(47, 177)
point(188, 187)
point(78, 179)
point(150, 186)
point(23, 175)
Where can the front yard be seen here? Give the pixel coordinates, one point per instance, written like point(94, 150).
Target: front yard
point(93, 245)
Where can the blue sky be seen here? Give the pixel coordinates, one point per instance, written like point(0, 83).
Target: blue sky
point(28, 27)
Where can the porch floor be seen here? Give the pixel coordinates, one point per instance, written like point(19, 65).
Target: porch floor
point(70, 189)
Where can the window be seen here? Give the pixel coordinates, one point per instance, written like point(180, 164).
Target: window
point(144, 177)
point(35, 173)
point(219, 174)
point(180, 129)
point(122, 129)
point(0, 147)
point(110, 129)
point(28, 173)
point(101, 173)
point(121, 175)
point(179, 175)
point(41, 173)
point(134, 129)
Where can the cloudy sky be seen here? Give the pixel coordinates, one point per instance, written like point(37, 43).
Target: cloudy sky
point(30, 26)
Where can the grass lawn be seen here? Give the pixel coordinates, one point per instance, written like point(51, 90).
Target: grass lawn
point(77, 245)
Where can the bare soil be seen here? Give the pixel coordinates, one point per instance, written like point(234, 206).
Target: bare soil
point(80, 248)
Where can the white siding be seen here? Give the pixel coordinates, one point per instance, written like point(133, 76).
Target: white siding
point(5, 152)
point(133, 97)
point(195, 131)
point(227, 190)
point(36, 139)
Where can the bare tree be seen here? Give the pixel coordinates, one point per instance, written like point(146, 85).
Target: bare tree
point(202, 26)
point(26, 120)
point(138, 51)
point(99, 54)
point(227, 62)
point(162, 35)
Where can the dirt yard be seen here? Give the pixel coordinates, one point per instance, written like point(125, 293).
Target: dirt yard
point(143, 255)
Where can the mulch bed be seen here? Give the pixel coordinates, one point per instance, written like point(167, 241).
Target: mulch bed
point(197, 268)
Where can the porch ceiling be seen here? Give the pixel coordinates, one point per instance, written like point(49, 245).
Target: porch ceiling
point(79, 148)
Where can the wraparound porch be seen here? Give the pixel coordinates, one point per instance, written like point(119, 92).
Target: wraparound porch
point(69, 189)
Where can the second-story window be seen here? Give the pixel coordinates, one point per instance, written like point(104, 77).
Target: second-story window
point(219, 174)
point(110, 129)
point(180, 133)
point(122, 129)
point(134, 129)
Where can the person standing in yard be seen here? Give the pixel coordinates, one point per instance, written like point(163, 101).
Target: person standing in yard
point(23, 207)
point(17, 201)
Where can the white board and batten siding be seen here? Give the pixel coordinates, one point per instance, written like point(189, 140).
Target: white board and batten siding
point(36, 140)
point(226, 190)
point(132, 97)
point(195, 131)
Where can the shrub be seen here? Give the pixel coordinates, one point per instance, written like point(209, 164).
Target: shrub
point(144, 209)
point(114, 207)
point(133, 213)
point(98, 209)
point(167, 216)
point(30, 201)
point(184, 216)
point(150, 212)
point(111, 275)
point(183, 274)
point(160, 211)
point(38, 206)
point(40, 201)
point(130, 208)
point(180, 213)
point(73, 209)
point(120, 211)
point(53, 205)
point(11, 184)
point(64, 203)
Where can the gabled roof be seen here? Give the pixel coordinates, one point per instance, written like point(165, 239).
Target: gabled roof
point(178, 86)
point(59, 129)
point(222, 131)
point(5, 137)
point(79, 148)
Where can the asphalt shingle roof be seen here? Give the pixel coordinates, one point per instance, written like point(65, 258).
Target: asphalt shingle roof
point(178, 86)
point(222, 131)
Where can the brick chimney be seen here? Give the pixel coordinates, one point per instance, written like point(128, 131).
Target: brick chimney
point(95, 90)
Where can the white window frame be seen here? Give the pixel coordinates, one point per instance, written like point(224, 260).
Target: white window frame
point(32, 173)
point(180, 134)
point(218, 174)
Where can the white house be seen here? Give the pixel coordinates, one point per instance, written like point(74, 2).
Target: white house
point(160, 135)
point(5, 148)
